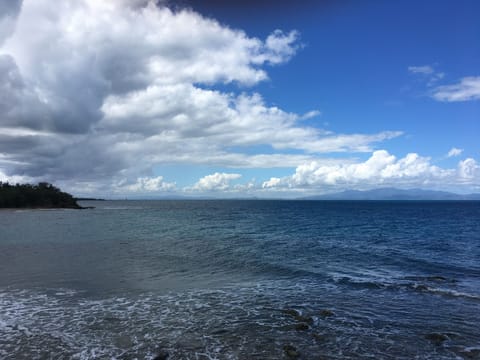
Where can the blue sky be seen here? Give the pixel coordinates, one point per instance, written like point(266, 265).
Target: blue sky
point(232, 99)
point(354, 66)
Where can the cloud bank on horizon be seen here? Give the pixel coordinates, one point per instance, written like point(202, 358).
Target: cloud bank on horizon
point(98, 95)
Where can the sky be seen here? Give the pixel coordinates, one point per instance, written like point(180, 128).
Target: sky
point(232, 99)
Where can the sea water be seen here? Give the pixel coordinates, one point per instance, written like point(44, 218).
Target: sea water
point(241, 280)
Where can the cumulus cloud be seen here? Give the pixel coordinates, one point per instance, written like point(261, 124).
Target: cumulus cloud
point(469, 171)
point(454, 152)
point(94, 94)
point(76, 53)
point(183, 111)
point(215, 182)
point(280, 47)
point(466, 90)
point(146, 184)
point(381, 169)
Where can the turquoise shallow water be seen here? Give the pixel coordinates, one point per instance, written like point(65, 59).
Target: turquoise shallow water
point(241, 280)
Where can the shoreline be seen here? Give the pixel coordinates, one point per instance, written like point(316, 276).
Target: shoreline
point(49, 208)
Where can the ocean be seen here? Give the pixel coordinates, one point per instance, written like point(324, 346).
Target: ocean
point(235, 279)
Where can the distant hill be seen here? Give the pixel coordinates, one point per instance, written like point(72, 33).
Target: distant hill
point(394, 194)
point(41, 196)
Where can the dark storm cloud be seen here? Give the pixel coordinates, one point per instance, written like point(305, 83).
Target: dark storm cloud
point(10, 7)
point(9, 10)
point(11, 83)
point(58, 158)
point(64, 92)
point(69, 109)
point(19, 144)
point(19, 106)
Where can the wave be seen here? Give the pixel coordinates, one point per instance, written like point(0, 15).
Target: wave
point(421, 284)
point(238, 322)
point(448, 292)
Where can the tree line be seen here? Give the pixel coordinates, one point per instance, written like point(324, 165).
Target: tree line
point(42, 195)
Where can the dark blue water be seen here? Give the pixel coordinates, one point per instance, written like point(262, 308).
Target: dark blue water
point(241, 280)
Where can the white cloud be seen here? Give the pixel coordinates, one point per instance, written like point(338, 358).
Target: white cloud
point(147, 184)
point(125, 47)
point(466, 90)
point(97, 93)
point(249, 186)
point(280, 47)
point(183, 111)
point(426, 69)
point(272, 183)
point(215, 182)
point(12, 179)
point(454, 152)
point(469, 170)
point(63, 60)
point(310, 114)
point(381, 169)
point(438, 76)
point(428, 73)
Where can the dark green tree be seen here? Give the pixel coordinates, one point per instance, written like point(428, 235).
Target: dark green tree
point(42, 195)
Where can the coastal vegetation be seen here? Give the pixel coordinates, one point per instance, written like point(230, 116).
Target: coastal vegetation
point(42, 195)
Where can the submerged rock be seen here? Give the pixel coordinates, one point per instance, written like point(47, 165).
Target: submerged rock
point(437, 278)
point(304, 319)
point(219, 331)
point(319, 337)
point(436, 338)
point(420, 287)
point(302, 326)
point(162, 355)
point(471, 353)
point(291, 351)
point(327, 313)
point(291, 312)
point(298, 316)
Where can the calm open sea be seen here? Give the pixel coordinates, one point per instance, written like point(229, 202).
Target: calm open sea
point(241, 280)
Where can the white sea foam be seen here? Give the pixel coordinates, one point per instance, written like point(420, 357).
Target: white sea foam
point(453, 293)
point(229, 323)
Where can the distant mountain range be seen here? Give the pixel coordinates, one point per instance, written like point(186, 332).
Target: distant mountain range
point(394, 194)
